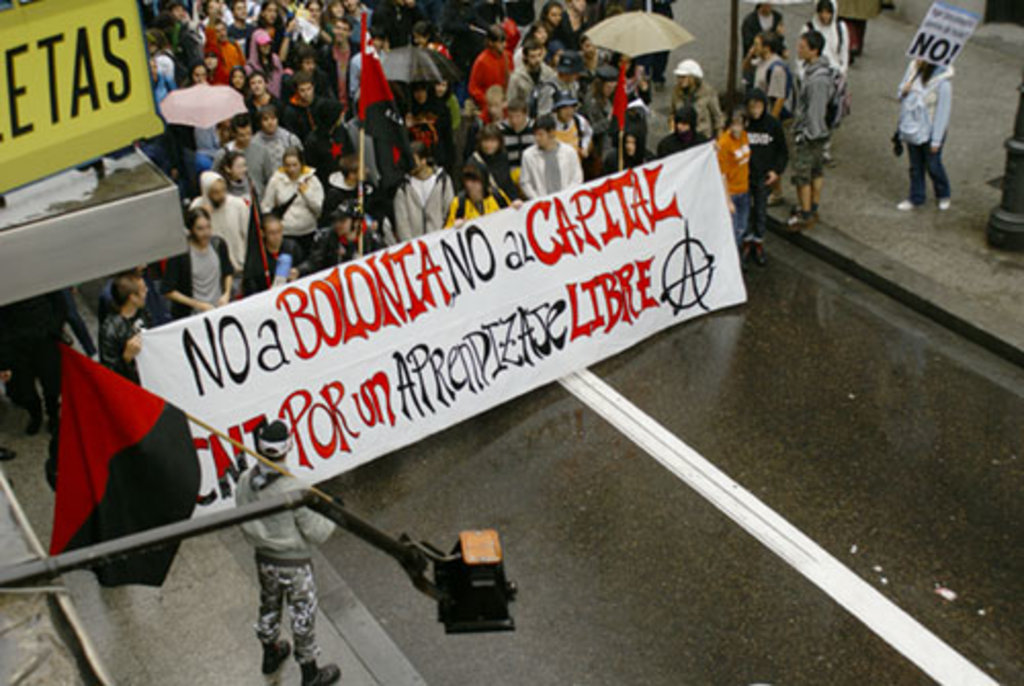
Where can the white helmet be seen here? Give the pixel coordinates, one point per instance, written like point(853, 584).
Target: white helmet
point(689, 68)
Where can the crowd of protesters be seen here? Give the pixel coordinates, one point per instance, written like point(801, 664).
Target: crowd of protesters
point(275, 193)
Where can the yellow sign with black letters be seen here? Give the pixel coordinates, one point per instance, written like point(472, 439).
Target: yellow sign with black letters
point(74, 85)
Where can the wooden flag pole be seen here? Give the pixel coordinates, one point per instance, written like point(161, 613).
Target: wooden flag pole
point(281, 469)
point(622, 136)
point(362, 175)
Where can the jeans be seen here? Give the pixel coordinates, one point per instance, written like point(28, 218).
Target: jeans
point(922, 160)
point(759, 213)
point(741, 217)
point(656, 63)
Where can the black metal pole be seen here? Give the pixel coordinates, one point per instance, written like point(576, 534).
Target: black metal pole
point(734, 29)
point(1006, 223)
point(108, 551)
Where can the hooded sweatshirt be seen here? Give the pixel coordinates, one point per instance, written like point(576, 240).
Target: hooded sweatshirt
point(812, 102)
point(768, 151)
point(415, 216)
point(937, 95)
point(837, 41)
point(288, 535)
point(230, 221)
point(300, 219)
point(675, 142)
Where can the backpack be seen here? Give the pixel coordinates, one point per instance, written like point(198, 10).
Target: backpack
point(539, 91)
point(839, 105)
point(789, 101)
point(915, 126)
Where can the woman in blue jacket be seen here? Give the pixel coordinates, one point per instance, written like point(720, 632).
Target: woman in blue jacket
point(926, 100)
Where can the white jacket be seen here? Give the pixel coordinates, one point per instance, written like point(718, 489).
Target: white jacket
point(230, 221)
point(303, 214)
point(413, 218)
point(533, 180)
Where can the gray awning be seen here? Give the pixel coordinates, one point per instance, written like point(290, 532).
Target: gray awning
point(74, 227)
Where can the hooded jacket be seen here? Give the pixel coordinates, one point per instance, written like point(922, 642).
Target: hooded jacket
point(521, 87)
point(704, 100)
point(230, 221)
point(328, 141)
point(300, 219)
point(413, 218)
point(937, 95)
point(289, 535)
point(768, 151)
point(532, 178)
point(675, 142)
point(812, 100)
point(274, 72)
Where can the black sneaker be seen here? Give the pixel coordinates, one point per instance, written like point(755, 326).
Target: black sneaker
point(274, 656)
point(320, 676)
point(7, 454)
point(35, 423)
point(759, 257)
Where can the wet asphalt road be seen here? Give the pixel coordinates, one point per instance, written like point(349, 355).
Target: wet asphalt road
point(859, 422)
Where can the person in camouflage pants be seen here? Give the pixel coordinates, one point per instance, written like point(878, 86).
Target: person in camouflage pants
point(294, 584)
point(284, 548)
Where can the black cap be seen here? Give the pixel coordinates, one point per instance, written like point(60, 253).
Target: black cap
point(570, 62)
point(607, 72)
point(273, 440)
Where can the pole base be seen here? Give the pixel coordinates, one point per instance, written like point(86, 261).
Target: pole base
point(1005, 230)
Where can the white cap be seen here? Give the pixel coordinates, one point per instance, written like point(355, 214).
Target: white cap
point(689, 68)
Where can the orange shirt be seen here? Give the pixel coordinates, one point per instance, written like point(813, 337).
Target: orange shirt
point(489, 69)
point(734, 160)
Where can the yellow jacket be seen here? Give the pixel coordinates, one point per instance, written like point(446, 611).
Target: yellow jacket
point(462, 208)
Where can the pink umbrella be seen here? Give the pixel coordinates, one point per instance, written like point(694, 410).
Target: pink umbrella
point(202, 106)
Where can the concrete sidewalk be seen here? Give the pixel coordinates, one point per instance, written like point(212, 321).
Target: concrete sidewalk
point(198, 627)
point(937, 262)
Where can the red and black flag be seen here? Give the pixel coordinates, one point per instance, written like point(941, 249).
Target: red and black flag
point(381, 118)
point(126, 463)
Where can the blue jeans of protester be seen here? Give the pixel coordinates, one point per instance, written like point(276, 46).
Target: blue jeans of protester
point(758, 213)
point(922, 161)
point(741, 217)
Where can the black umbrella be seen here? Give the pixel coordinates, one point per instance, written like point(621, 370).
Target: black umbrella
point(410, 64)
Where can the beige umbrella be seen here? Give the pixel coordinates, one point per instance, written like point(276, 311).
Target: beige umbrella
point(638, 33)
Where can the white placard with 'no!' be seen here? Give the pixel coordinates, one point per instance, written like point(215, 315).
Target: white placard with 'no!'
point(942, 34)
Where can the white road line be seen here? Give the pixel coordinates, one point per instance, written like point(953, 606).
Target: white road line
point(904, 633)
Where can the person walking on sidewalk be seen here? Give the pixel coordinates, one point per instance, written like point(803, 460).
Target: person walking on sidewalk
point(284, 547)
point(734, 161)
point(768, 158)
point(810, 130)
point(926, 99)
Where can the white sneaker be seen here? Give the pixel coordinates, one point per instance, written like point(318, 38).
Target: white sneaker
point(944, 204)
point(905, 206)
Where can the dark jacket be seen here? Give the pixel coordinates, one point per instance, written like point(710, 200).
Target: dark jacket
point(114, 334)
point(29, 323)
point(254, 279)
point(751, 28)
point(396, 20)
point(768, 151)
point(329, 141)
point(464, 31)
point(178, 276)
point(329, 250)
point(298, 118)
point(674, 143)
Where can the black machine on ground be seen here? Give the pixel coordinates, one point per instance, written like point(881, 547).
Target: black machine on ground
point(469, 584)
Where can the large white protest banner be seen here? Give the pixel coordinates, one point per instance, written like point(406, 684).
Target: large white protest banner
point(375, 354)
point(942, 34)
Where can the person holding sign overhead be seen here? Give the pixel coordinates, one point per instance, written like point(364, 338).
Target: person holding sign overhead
point(926, 100)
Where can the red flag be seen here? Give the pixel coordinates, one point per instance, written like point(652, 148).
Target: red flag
point(619, 104)
point(126, 463)
point(381, 118)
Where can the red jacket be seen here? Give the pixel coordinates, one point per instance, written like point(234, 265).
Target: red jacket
point(229, 56)
point(489, 69)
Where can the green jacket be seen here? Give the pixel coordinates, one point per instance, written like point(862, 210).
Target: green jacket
point(288, 535)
